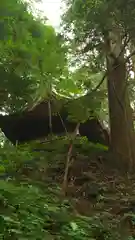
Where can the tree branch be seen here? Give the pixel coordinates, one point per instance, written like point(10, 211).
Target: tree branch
point(68, 162)
point(127, 39)
point(100, 83)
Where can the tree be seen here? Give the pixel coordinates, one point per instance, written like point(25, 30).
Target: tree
point(32, 56)
point(102, 32)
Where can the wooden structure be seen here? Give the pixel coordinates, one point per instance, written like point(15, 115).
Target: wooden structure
point(34, 124)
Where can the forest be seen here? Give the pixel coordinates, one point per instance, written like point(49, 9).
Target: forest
point(67, 118)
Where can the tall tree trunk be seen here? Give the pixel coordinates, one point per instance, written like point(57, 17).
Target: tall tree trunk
point(121, 123)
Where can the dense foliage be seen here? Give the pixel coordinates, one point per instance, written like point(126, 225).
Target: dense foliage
point(32, 56)
point(35, 62)
point(35, 209)
point(88, 25)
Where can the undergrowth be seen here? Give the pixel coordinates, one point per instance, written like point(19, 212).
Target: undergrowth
point(32, 209)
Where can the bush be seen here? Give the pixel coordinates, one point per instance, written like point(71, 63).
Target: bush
point(28, 211)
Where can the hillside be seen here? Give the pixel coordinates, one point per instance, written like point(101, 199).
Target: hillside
point(99, 201)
